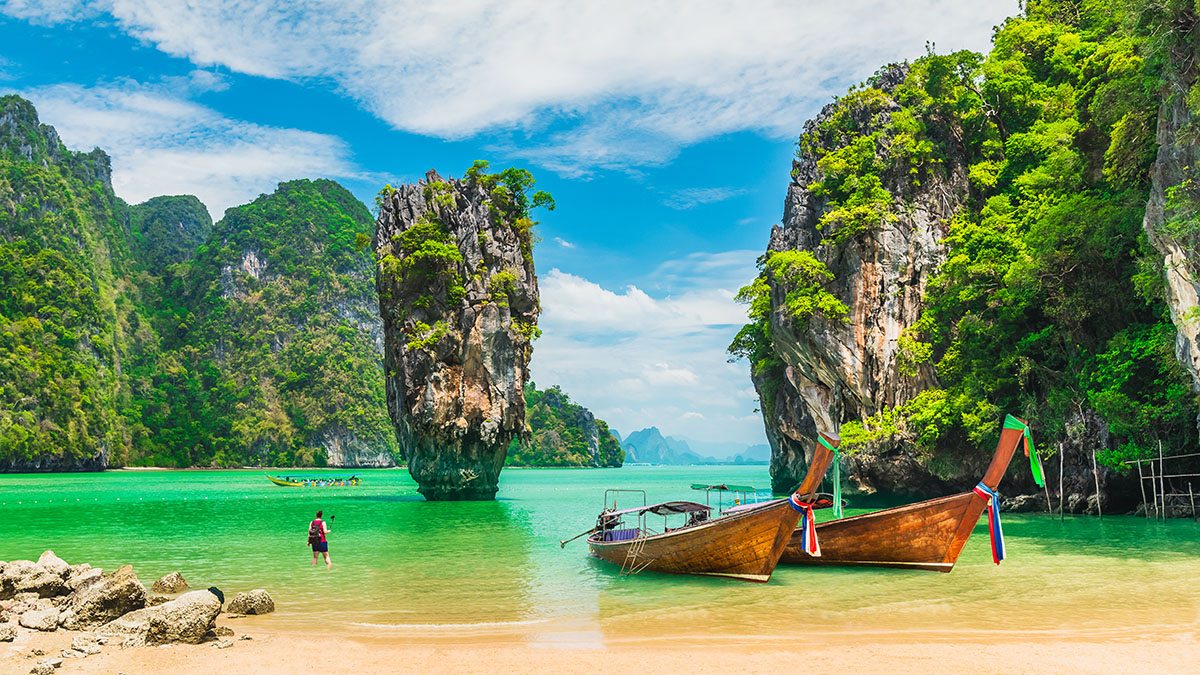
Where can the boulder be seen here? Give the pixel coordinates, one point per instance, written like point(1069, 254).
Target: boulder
point(185, 619)
point(46, 666)
point(8, 632)
point(80, 575)
point(171, 583)
point(45, 620)
point(87, 644)
point(52, 563)
point(157, 599)
point(105, 599)
point(257, 601)
point(46, 583)
point(12, 573)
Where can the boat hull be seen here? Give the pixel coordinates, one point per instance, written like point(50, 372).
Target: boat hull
point(745, 546)
point(926, 535)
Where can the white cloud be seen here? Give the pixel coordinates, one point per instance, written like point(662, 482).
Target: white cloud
point(163, 143)
point(637, 359)
point(628, 81)
point(563, 242)
point(690, 198)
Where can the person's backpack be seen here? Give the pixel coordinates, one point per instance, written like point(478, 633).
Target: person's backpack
point(314, 532)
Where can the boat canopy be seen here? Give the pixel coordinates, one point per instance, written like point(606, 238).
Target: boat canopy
point(723, 487)
point(664, 509)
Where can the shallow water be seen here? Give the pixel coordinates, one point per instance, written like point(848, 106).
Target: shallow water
point(448, 571)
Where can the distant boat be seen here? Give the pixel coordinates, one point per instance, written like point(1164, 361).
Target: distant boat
point(927, 535)
point(742, 543)
point(315, 481)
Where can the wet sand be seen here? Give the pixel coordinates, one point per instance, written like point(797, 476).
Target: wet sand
point(287, 652)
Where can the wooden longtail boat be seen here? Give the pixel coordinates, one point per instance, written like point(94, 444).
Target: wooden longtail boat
point(926, 535)
point(743, 543)
point(315, 481)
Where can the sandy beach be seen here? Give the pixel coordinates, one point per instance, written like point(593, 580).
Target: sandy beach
point(282, 652)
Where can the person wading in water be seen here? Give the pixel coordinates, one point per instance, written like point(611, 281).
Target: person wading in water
point(317, 531)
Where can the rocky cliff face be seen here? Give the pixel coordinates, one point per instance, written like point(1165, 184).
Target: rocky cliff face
point(835, 369)
point(284, 319)
point(1175, 195)
point(63, 312)
point(459, 300)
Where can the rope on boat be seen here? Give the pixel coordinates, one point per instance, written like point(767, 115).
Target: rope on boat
point(808, 526)
point(992, 497)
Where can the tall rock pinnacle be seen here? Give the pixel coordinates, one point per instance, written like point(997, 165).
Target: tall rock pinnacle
point(459, 300)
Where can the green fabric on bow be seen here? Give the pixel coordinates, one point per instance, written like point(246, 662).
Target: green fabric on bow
point(837, 476)
point(1035, 462)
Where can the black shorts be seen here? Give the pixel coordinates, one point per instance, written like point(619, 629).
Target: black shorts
point(321, 547)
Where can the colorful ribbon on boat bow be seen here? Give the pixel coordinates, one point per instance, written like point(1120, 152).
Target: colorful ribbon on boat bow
point(993, 508)
point(1035, 462)
point(808, 526)
point(837, 476)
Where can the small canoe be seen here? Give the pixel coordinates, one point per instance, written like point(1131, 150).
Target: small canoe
point(927, 535)
point(744, 543)
point(315, 481)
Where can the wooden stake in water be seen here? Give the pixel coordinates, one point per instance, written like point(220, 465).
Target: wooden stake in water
point(1162, 483)
point(1142, 485)
point(1062, 457)
point(1192, 498)
point(1096, 474)
point(1153, 488)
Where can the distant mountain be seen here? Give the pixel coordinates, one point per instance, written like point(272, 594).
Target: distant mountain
point(754, 454)
point(649, 446)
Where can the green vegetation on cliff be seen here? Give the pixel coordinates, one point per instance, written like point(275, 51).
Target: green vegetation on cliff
point(142, 335)
point(168, 230)
point(63, 314)
point(563, 433)
point(1050, 302)
point(274, 338)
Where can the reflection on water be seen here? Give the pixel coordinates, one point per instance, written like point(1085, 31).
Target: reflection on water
point(408, 569)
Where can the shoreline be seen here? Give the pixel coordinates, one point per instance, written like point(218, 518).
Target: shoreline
point(271, 650)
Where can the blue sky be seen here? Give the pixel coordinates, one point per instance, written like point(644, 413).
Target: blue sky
point(665, 130)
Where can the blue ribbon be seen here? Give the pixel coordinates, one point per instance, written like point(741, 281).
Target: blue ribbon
point(994, 529)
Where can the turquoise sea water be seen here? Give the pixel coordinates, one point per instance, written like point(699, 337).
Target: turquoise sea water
point(417, 570)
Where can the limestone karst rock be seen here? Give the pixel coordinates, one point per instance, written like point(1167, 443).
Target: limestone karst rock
point(831, 370)
point(459, 300)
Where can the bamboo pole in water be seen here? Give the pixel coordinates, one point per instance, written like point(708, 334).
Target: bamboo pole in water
point(1062, 456)
point(1162, 483)
point(1142, 485)
point(1192, 498)
point(1154, 488)
point(1096, 475)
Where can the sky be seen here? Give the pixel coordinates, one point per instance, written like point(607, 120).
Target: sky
point(664, 129)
